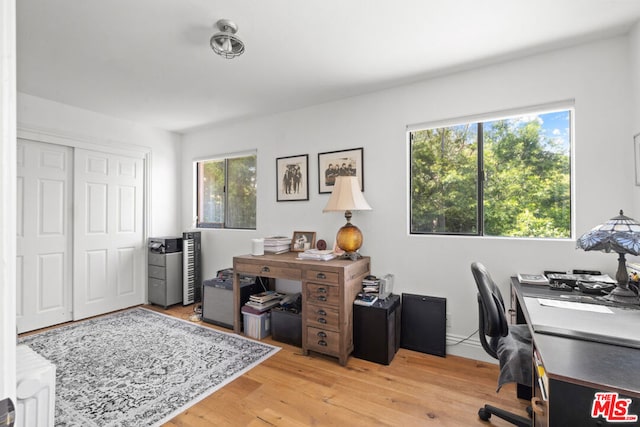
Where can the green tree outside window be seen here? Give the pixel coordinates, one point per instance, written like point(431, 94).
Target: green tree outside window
point(508, 177)
point(226, 193)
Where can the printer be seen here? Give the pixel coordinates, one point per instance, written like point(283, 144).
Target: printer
point(165, 245)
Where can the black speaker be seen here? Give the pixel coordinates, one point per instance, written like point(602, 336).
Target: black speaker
point(424, 323)
point(376, 330)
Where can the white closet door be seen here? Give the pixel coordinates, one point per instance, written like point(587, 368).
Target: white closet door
point(44, 255)
point(109, 244)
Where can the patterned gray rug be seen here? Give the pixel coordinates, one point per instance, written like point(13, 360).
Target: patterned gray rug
point(139, 367)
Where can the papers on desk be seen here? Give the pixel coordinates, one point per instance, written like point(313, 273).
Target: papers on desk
point(575, 305)
point(533, 279)
point(317, 254)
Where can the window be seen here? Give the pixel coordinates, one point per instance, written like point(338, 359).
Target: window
point(523, 165)
point(226, 192)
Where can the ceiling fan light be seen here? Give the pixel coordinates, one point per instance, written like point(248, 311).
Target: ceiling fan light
point(226, 43)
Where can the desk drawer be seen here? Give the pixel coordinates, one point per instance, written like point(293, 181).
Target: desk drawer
point(322, 276)
point(157, 291)
point(323, 294)
point(270, 271)
point(322, 340)
point(157, 272)
point(157, 259)
point(323, 316)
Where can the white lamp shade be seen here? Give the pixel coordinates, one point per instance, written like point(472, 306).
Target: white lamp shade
point(346, 196)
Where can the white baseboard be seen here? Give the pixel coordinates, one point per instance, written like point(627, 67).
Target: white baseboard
point(470, 348)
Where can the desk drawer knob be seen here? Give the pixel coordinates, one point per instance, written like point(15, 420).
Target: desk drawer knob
point(265, 269)
point(322, 334)
point(322, 298)
point(322, 320)
point(321, 312)
point(322, 290)
point(322, 343)
point(321, 276)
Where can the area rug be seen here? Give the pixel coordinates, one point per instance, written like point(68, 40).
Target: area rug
point(139, 367)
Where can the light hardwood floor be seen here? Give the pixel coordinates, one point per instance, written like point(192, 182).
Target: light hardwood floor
point(290, 389)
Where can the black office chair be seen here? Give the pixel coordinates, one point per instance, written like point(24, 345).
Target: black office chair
point(513, 350)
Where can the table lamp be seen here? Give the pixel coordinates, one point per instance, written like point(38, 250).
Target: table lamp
point(346, 196)
point(620, 234)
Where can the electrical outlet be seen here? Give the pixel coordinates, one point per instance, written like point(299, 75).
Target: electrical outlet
point(448, 320)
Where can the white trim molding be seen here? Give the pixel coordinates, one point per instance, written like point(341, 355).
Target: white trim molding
point(8, 106)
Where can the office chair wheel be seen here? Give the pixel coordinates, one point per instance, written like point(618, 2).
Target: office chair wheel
point(483, 414)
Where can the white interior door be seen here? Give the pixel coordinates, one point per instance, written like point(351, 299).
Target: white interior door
point(43, 241)
point(109, 249)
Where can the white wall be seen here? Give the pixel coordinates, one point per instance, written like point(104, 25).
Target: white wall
point(52, 118)
point(596, 75)
point(634, 55)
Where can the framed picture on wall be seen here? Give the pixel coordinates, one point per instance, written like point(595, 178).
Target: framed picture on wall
point(335, 163)
point(303, 240)
point(292, 175)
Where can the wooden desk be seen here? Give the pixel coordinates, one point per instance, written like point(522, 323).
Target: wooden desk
point(328, 291)
point(569, 371)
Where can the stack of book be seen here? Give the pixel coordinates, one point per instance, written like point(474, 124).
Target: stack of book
point(364, 298)
point(370, 290)
point(264, 300)
point(371, 285)
point(317, 254)
point(277, 244)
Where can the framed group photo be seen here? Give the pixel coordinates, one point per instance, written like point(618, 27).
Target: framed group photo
point(339, 163)
point(292, 175)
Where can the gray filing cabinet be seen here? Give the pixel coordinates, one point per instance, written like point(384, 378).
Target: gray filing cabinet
point(165, 275)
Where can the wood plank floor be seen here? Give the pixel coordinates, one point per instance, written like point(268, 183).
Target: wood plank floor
point(290, 389)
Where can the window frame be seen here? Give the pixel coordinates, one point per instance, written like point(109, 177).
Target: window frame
point(199, 191)
point(566, 105)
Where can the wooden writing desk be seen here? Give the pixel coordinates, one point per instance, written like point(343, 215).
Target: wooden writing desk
point(328, 291)
point(569, 368)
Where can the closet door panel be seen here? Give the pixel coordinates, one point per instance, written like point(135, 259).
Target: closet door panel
point(44, 238)
point(108, 239)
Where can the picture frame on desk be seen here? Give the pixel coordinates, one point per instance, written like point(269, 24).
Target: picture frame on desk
point(303, 240)
point(292, 178)
point(336, 163)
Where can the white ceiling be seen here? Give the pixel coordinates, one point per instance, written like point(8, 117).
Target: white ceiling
point(149, 61)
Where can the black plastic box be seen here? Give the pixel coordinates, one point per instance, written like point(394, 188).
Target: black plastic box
point(286, 326)
point(376, 330)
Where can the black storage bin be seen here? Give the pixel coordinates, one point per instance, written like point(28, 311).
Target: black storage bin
point(286, 326)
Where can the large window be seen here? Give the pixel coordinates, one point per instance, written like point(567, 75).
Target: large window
point(226, 192)
point(505, 177)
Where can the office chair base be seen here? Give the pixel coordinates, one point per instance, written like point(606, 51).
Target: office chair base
point(488, 410)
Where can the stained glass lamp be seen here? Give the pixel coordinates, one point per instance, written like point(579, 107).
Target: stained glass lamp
point(620, 234)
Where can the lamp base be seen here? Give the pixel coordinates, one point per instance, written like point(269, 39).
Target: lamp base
point(349, 238)
point(622, 295)
point(353, 256)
